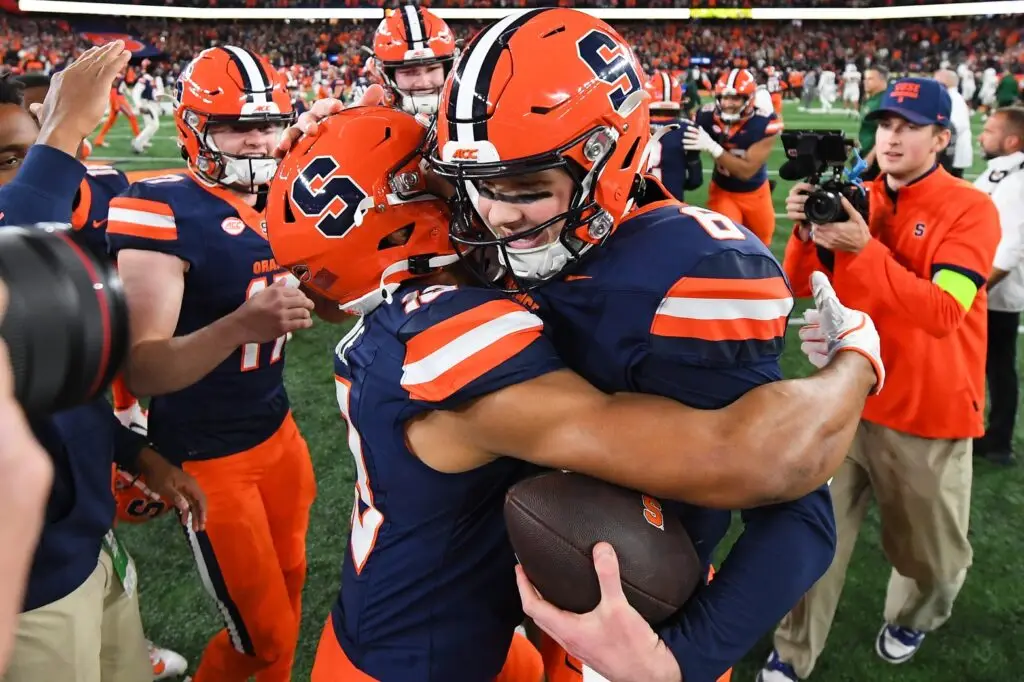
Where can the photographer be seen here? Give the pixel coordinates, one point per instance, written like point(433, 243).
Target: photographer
point(918, 265)
point(80, 617)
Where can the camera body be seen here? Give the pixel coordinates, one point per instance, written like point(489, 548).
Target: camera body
point(819, 158)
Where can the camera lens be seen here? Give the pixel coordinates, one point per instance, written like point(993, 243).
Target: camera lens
point(824, 207)
point(66, 325)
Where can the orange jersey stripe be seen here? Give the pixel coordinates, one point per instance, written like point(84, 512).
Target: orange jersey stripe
point(741, 329)
point(146, 205)
point(712, 287)
point(431, 340)
point(449, 356)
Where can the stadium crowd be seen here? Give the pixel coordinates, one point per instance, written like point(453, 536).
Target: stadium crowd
point(31, 43)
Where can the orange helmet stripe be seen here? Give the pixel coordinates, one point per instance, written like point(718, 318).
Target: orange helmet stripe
point(470, 89)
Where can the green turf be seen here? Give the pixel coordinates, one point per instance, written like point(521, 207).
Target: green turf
point(981, 642)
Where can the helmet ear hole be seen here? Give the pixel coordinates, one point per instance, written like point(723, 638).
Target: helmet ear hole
point(399, 237)
point(628, 160)
point(289, 215)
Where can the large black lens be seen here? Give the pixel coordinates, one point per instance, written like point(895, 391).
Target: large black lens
point(67, 321)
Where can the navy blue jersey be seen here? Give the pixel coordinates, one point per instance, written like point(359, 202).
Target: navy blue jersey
point(242, 401)
point(678, 169)
point(428, 588)
point(683, 303)
point(89, 212)
point(737, 138)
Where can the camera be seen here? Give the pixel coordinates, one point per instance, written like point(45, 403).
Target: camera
point(66, 326)
point(819, 157)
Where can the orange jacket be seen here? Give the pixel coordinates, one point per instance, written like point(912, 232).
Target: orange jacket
point(933, 349)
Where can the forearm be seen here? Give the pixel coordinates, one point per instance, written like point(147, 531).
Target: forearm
point(781, 553)
point(742, 168)
point(778, 442)
point(996, 277)
point(160, 366)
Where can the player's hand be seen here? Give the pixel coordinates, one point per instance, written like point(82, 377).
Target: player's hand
point(795, 201)
point(170, 483)
point(613, 639)
point(77, 99)
point(851, 235)
point(321, 109)
point(696, 139)
point(831, 328)
point(273, 312)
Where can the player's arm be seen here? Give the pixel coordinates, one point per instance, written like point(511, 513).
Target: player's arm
point(747, 166)
point(777, 442)
point(961, 266)
point(158, 361)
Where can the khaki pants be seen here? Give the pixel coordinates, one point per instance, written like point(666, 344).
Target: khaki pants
point(923, 488)
point(92, 635)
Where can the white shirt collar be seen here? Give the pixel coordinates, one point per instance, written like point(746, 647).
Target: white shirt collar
point(1005, 163)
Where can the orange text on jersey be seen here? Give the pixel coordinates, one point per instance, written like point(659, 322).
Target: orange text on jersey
point(263, 267)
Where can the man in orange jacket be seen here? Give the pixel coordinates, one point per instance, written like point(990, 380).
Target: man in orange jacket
point(918, 266)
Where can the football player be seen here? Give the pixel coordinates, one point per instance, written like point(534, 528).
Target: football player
point(679, 170)
point(739, 138)
point(451, 392)
point(210, 312)
point(119, 104)
point(413, 51)
point(851, 89)
point(638, 292)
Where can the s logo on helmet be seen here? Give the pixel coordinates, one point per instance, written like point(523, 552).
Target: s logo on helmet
point(611, 63)
point(318, 193)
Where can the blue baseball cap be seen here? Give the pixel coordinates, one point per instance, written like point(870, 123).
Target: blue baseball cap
point(923, 101)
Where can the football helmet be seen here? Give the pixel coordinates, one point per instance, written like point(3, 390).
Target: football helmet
point(229, 84)
point(574, 101)
point(735, 83)
point(413, 36)
point(136, 503)
point(349, 212)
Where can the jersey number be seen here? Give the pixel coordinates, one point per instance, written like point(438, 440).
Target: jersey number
point(365, 525)
point(251, 351)
point(715, 224)
point(611, 63)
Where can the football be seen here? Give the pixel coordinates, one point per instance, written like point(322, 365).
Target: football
point(554, 520)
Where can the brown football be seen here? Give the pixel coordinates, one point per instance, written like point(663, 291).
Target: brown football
point(554, 520)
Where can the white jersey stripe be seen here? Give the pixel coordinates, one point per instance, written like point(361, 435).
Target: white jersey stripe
point(467, 345)
point(725, 308)
point(137, 217)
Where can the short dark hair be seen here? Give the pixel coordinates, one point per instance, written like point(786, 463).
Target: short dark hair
point(1014, 118)
point(33, 80)
point(11, 90)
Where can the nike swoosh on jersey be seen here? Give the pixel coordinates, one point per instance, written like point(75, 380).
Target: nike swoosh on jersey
point(99, 223)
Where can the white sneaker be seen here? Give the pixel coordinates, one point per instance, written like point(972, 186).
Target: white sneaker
point(134, 418)
point(166, 663)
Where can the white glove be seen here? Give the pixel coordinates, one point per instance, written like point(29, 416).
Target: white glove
point(696, 139)
point(831, 327)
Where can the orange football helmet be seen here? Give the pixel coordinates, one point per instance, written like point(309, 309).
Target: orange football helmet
point(576, 101)
point(735, 83)
point(408, 37)
point(229, 84)
point(349, 212)
point(136, 503)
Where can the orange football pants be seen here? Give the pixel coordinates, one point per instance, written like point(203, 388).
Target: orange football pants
point(559, 666)
point(523, 663)
point(118, 104)
point(252, 555)
point(753, 210)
